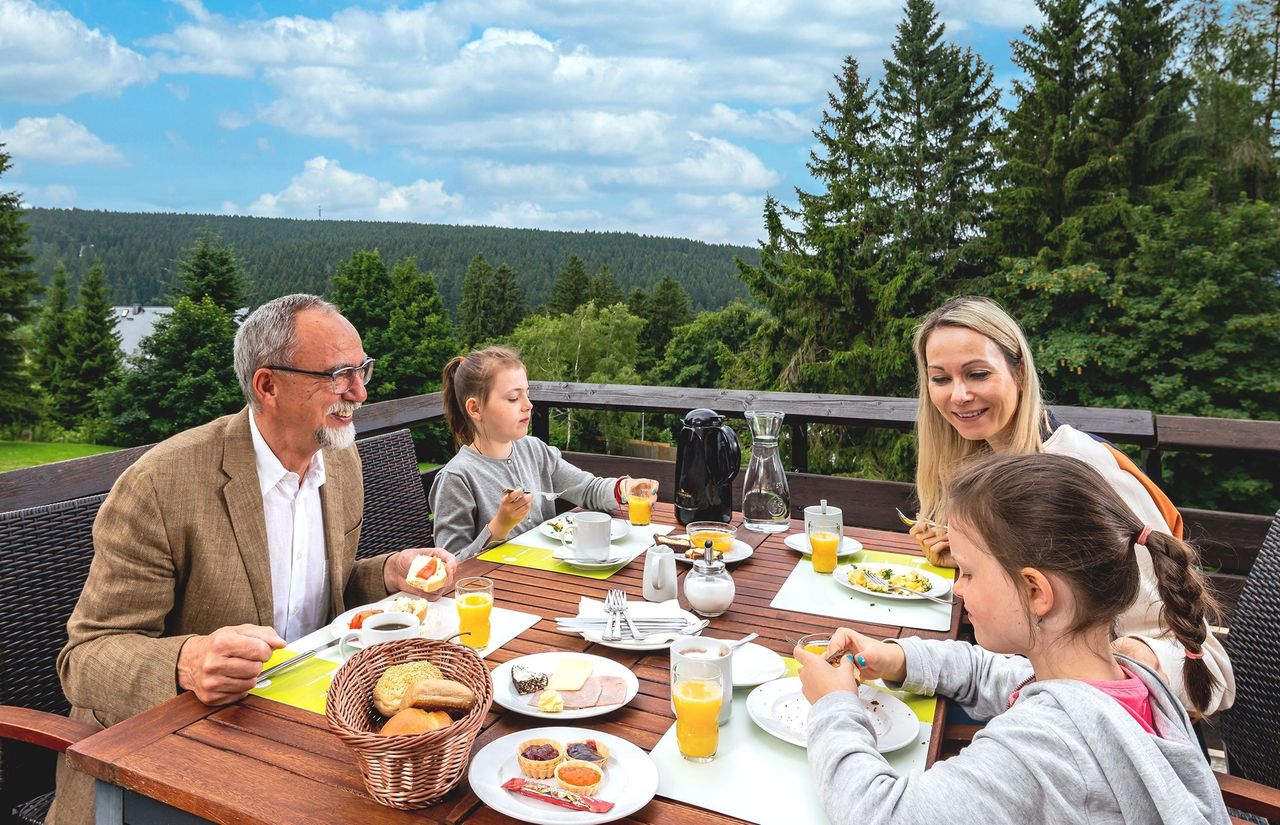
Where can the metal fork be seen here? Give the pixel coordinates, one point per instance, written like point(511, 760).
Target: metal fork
point(911, 522)
point(612, 630)
point(879, 582)
point(620, 603)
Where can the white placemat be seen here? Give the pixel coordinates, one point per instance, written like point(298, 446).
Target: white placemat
point(817, 594)
point(637, 539)
point(504, 625)
point(790, 794)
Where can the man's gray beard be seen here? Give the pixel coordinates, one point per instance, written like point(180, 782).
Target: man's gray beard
point(336, 438)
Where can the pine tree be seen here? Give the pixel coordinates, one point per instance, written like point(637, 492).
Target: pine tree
point(572, 288)
point(937, 106)
point(51, 333)
point(668, 308)
point(92, 352)
point(182, 376)
point(211, 268)
point(476, 310)
point(18, 287)
point(604, 288)
point(1047, 142)
point(508, 303)
point(1251, 76)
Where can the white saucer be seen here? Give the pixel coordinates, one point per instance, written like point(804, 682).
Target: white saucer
point(779, 708)
point(799, 543)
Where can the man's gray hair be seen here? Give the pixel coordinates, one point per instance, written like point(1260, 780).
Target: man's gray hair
point(269, 336)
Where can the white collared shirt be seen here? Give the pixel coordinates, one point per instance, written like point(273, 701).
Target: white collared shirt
point(295, 541)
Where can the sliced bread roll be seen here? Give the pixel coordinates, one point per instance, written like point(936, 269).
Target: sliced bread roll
point(389, 692)
point(439, 694)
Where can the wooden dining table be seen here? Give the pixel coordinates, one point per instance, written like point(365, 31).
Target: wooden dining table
point(259, 761)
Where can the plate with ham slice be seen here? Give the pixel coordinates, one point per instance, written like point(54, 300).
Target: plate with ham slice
point(608, 686)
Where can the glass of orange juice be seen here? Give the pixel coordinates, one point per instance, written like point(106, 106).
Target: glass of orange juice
point(639, 509)
point(815, 643)
point(697, 691)
point(474, 599)
point(825, 535)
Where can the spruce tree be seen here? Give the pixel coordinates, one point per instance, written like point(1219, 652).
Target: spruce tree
point(419, 338)
point(211, 268)
point(572, 288)
point(51, 333)
point(604, 288)
point(508, 303)
point(667, 308)
point(475, 311)
point(18, 287)
point(92, 352)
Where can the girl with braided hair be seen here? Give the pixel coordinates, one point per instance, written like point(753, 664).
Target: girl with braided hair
point(1077, 732)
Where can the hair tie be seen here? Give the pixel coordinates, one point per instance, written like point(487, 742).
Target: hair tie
point(1190, 655)
point(1142, 537)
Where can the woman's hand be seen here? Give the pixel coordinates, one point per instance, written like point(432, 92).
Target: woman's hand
point(874, 659)
point(511, 511)
point(933, 540)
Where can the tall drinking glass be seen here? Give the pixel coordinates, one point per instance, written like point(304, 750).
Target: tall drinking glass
point(697, 691)
point(474, 599)
point(825, 535)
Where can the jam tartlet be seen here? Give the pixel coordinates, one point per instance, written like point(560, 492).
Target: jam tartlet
point(579, 776)
point(587, 750)
point(539, 757)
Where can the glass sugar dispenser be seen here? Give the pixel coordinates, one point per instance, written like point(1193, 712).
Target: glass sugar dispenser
point(709, 587)
point(766, 496)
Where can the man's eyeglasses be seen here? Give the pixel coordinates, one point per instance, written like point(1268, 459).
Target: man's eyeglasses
point(343, 379)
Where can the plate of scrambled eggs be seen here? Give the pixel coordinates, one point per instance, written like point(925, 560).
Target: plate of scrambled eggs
point(854, 577)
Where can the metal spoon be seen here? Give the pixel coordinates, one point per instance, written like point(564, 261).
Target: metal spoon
point(743, 640)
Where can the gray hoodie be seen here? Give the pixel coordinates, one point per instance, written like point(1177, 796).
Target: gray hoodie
point(466, 492)
point(1065, 752)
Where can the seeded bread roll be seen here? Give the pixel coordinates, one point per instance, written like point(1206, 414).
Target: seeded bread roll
point(439, 694)
point(389, 692)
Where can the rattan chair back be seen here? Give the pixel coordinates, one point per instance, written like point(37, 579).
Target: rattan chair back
point(396, 513)
point(1251, 728)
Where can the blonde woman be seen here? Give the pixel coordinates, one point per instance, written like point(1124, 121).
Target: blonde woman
point(979, 393)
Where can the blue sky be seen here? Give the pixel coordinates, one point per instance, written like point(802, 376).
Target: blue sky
point(664, 117)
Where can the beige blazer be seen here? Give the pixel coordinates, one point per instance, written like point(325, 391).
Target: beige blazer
point(180, 548)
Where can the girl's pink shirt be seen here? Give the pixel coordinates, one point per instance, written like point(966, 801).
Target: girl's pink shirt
point(1132, 694)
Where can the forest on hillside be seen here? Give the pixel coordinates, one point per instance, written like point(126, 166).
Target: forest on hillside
point(279, 255)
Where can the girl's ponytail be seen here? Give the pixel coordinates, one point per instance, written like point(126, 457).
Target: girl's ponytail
point(1187, 605)
point(455, 411)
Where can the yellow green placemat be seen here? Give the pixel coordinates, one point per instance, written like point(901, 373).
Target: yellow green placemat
point(922, 706)
point(540, 558)
point(885, 557)
point(303, 686)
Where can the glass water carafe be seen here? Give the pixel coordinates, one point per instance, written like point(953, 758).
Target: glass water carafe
point(766, 498)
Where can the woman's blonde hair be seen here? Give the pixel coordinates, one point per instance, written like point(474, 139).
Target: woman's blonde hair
point(941, 447)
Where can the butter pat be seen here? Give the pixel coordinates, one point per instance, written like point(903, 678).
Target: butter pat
point(550, 701)
point(571, 674)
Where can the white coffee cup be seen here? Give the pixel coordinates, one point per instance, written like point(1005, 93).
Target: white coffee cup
point(589, 539)
point(715, 653)
point(381, 627)
point(824, 510)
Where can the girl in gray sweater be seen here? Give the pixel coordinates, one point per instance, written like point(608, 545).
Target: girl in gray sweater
point(1077, 734)
point(479, 498)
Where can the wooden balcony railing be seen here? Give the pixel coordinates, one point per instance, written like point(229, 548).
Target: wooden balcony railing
point(1228, 541)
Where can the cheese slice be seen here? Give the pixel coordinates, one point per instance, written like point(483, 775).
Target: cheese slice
point(571, 674)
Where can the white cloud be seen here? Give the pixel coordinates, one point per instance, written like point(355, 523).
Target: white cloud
point(544, 179)
point(532, 215)
point(179, 90)
point(263, 145)
point(341, 193)
point(49, 56)
point(54, 195)
point(58, 140)
point(781, 125)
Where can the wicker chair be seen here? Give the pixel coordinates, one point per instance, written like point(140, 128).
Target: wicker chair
point(396, 514)
point(44, 559)
point(1251, 728)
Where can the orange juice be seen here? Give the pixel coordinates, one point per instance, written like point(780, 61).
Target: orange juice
point(721, 542)
point(817, 649)
point(697, 725)
point(824, 546)
point(639, 510)
point(473, 616)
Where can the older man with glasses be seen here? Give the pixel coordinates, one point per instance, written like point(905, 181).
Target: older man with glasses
point(224, 542)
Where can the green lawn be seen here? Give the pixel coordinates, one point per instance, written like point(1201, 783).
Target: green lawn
point(14, 455)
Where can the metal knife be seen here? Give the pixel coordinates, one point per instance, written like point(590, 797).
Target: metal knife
point(301, 657)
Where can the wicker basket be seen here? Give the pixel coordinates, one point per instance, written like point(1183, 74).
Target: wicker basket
point(410, 771)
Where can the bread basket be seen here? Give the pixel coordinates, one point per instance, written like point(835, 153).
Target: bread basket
point(415, 770)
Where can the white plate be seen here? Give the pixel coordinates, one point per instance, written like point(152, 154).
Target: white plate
point(941, 586)
point(689, 619)
point(563, 556)
point(799, 543)
point(441, 621)
point(504, 692)
point(779, 708)
point(738, 551)
point(630, 778)
point(555, 528)
point(755, 664)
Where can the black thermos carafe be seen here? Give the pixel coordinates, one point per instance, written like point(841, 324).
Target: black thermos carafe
point(707, 460)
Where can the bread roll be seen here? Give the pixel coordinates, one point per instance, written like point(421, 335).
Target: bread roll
point(439, 694)
point(427, 573)
point(413, 720)
point(388, 693)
